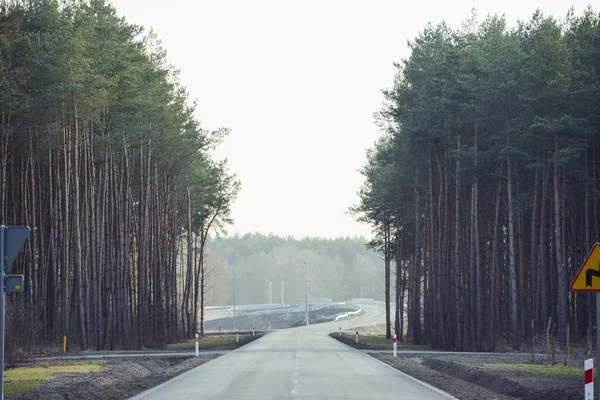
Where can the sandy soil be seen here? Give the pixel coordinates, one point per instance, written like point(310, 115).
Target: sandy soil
point(122, 378)
point(469, 378)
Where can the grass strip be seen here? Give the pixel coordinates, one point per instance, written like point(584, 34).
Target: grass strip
point(557, 370)
point(372, 342)
point(20, 379)
point(214, 343)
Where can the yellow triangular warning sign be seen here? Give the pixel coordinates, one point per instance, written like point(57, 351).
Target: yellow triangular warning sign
point(588, 277)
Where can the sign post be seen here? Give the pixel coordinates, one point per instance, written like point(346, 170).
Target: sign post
point(11, 241)
point(588, 280)
point(588, 381)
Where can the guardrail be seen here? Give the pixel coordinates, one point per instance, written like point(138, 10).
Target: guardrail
point(348, 315)
point(232, 333)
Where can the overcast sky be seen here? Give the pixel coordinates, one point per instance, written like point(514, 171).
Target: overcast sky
point(298, 83)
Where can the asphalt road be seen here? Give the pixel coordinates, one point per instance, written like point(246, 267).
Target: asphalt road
point(300, 363)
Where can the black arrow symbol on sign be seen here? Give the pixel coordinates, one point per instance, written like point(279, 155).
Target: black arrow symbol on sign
point(589, 273)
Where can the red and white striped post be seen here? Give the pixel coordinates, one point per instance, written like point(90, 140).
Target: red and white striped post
point(356, 336)
point(589, 378)
point(395, 346)
point(197, 348)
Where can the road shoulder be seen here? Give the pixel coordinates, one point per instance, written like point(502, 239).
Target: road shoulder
point(120, 378)
point(417, 380)
point(498, 376)
point(121, 374)
point(472, 375)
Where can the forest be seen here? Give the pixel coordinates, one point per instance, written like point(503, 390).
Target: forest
point(483, 188)
point(256, 266)
point(102, 155)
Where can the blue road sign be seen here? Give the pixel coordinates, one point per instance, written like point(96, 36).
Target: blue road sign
point(13, 283)
point(14, 237)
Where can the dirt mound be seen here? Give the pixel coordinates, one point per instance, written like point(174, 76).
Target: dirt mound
point(121, 378)
point(479, 377)
point(476, 377)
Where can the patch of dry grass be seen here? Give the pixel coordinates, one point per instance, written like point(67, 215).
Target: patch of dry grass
point(25, 378)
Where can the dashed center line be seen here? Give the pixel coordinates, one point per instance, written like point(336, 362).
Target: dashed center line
point(295, 380)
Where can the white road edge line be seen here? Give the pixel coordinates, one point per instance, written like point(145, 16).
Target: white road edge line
point(427, 385)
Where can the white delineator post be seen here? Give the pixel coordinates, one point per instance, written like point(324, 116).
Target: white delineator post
point(197, 348)
point(589, 378)
point(237, 336)
point(356, 336)
point(395, 347)
point(375, 323)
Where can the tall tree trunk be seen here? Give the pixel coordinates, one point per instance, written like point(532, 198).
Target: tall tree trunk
point(561, 305)
point(202, 279)
point(512, 273)
point(478, 252)
point(52, 276)
point(431, 311)
point(388, 328)
point(588, 243)
point(190, 266)
point(534, 253)
point(398, 278)
point(415, 324)
point(65, 244)
point(494, 278)
point(456, 276)
point(544, 270)
point(78, 256)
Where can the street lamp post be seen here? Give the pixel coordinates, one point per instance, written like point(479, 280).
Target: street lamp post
point(234, 299)
point(270, 292)
point(306, 290)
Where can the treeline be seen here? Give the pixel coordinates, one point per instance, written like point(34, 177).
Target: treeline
point(483, 191)
point(254, 265)
point(102, 156)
